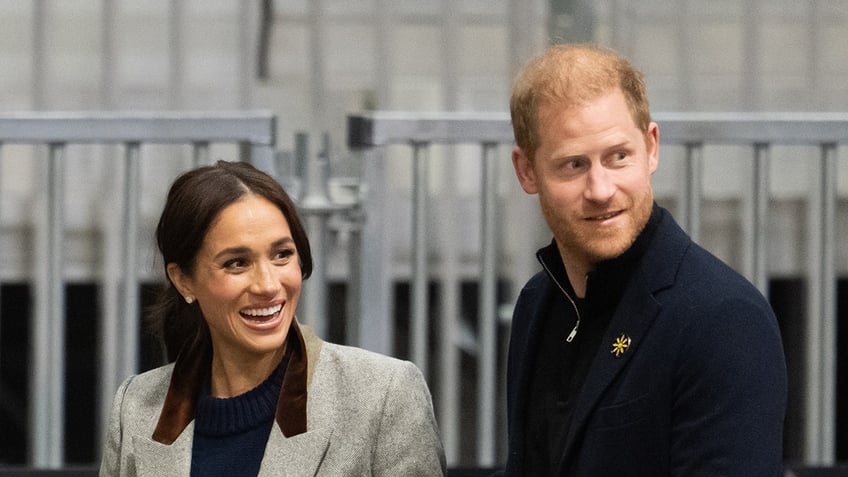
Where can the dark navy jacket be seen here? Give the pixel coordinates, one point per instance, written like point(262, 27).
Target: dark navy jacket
point(699, 390)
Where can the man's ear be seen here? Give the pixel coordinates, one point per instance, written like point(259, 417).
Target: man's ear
point(180, 280)
point(652, 139)
point(524, 171)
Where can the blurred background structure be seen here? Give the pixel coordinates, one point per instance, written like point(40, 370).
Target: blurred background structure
point(103, 103)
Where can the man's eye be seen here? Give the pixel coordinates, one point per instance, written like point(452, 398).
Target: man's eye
point(574, 164)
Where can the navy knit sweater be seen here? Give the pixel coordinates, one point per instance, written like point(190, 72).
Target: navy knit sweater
point(230, 434)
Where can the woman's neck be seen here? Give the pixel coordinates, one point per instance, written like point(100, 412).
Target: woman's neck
point(234, 376)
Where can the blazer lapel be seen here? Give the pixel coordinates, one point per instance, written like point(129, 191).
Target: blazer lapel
point(154, 459)
point(628, 326)
point(635, 314)
point(297, 456)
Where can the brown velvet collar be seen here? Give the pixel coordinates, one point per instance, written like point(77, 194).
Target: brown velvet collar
point(192, 368)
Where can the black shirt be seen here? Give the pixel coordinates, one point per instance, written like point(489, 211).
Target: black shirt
point(561, 366)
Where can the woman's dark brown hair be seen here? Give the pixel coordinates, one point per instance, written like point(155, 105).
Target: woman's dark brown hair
point(195, 200)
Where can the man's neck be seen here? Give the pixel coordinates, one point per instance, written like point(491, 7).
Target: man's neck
point(576, 269)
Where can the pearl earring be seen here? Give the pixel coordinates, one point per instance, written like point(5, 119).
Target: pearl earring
point(189, 300)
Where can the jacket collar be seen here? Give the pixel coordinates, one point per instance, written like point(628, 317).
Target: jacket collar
point(608, 279)
point(192, 368)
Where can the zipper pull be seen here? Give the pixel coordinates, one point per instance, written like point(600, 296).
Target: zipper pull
point(573, 332)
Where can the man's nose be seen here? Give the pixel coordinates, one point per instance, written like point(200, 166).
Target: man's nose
point(600, 185)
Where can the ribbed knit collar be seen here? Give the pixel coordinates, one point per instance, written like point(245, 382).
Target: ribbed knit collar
point(227, 416)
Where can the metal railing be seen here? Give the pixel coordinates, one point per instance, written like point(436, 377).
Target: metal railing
point(371, 272)
point(254, 132)
point(374, 131)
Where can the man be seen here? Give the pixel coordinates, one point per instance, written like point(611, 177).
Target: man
point(634, 351)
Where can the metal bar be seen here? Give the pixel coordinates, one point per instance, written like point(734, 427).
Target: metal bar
point(110, 376)
point(315, 206)
point(57, 303)
point(1, 285)
point(381, 128)
point(758, 220)
point(263, 157)
point(448, 404)
point(200, 153)
point(748, 128)
point(692, 190)
point(48, 349)
point(353, 304)
point(827, 285)
point(420, 272)
point(819, 405)
point(376, 326)
point(106, 127)
point(130, 330)
point(488, 319)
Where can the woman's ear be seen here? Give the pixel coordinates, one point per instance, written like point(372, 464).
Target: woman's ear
point(181, 281)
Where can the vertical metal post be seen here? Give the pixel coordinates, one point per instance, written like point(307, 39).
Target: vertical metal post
point(316, 207)
point(448, 402)
point(353, 304)
point(420, 272)
point(376, 324)
point(488, 320)
point(756, 214)
point(263, 157)
point(48, 349)
point(1, 284)
point(820, 402)
point(827, 285)
point(200, 153)
point(108, 291)
point(130, 308)
point(110, 324)
point(692, 190)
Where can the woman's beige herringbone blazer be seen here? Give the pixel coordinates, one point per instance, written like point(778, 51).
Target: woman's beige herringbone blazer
point(366, 414)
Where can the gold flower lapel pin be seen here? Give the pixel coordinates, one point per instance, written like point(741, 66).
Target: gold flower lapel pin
point(620, 346)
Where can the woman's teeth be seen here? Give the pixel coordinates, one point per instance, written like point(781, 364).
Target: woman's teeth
point(262, 312)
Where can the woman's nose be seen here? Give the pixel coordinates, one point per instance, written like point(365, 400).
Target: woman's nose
point(265, 281)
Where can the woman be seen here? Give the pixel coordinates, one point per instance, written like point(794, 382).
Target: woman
point(250, 392)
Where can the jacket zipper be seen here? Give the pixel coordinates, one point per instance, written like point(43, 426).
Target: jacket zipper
point(573, 333)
